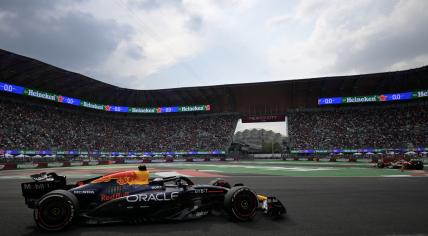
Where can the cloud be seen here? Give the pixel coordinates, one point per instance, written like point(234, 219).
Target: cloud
point(69, 39)
point(349, 38)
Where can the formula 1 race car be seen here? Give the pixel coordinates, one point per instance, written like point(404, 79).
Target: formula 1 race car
point(131, 196)
point(391, 163)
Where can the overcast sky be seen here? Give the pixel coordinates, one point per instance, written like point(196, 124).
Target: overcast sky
point(152, 44)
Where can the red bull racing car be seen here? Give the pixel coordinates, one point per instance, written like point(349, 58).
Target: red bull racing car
point(131, 196)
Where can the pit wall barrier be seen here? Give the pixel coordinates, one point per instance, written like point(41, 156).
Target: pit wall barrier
point(32, 165)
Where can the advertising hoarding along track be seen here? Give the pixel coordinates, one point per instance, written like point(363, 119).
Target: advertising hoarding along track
point(11, 88)
point(373, 98)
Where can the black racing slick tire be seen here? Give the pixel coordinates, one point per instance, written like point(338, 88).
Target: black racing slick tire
point(56, 210)
point(241, 203)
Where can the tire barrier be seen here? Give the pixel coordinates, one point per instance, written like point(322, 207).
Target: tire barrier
point(332, 159)
point(222, 158)
point(85, 163)
point(121, 161)
point(189, 159)
point(317, 159)
point(147, 160)
point(296, 158)
point(169, 159)
point(310, 159)
point(207, 159)
point(352, 159)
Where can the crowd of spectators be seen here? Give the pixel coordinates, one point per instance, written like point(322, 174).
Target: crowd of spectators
point(396, 126)
point(34, 127)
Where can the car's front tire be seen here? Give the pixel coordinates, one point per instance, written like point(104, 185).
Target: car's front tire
point(56, 210)
point(241, 203)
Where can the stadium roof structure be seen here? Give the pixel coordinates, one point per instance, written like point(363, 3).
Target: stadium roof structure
point(248, 99)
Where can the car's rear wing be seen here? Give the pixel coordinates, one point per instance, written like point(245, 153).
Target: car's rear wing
point(42, 184)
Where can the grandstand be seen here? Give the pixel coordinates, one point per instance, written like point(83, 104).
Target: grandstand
point(64, 111)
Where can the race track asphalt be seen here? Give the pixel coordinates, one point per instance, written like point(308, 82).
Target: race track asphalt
point(316, 206)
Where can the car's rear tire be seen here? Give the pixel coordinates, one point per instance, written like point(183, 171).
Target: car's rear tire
point(56, 210)
point(241, 203)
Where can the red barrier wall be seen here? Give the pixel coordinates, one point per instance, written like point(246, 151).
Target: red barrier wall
point(42, 165)
point(10, 166)
point(103, 162)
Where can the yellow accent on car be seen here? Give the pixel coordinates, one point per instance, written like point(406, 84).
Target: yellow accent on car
point(126, 177)
point(261, 198)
